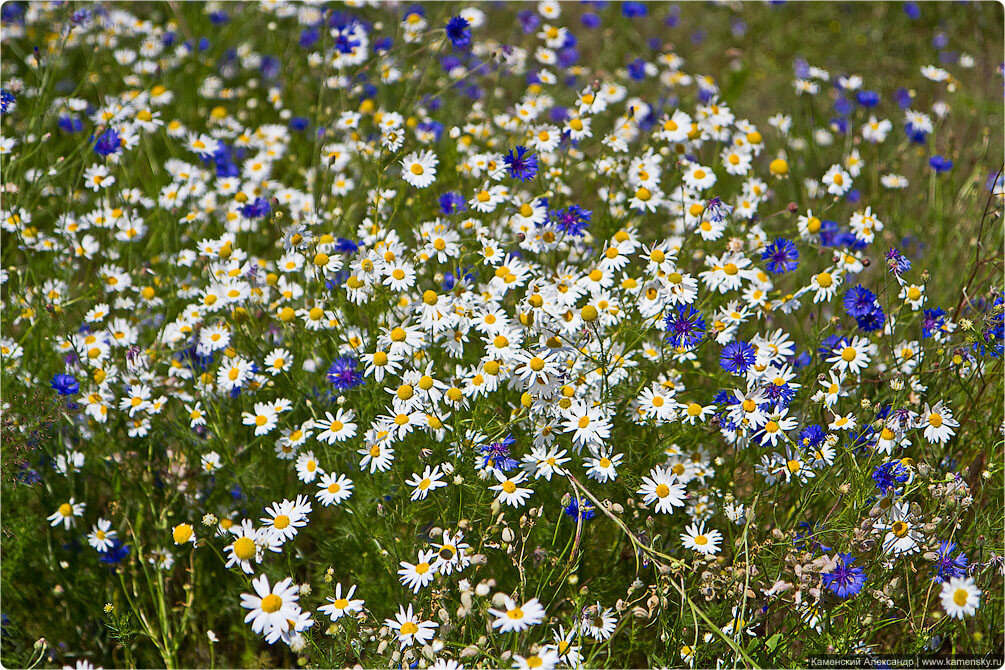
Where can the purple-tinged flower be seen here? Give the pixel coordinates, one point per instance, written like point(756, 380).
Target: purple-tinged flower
point(948, 566)
point(522, 165)
point(256, 209)
point(108, 143)
point(685, 327)
point(940, 164)
point(496, 455)
point(859, 301)
point(343, 373)
point(65, 384)
point(737, 357)
point(718, 210)
point(575, 510)
point(890, 475)
point(897, 262)
point(459, 32)
point(844, 580)
point(782, 256)
point(452, 203)
point(572, 220)
point(932, 321)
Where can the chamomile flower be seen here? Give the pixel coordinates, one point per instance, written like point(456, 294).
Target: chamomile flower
point(516, 618)
point(339, 606)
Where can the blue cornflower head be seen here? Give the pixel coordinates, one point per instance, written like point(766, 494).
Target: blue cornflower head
point(948, 566)
point(256, 209)
point(897, 262)
point(459, 32)
point(718, 210)
point(872, 321)
point(782, 256)
point(780, 394)
point(685, 326)
point(915, 134)
point(346, 246)
point(933, 321)
point(7, 102)
point(812, 436)
point(912, 10)
point(737, 357)
point(633, 9)
point(452, 203)
point(108, 143)
point(80, 17)
point(940, 164)
point(496, 455)
point(830, 344)
point(343, 373)
point(637, 69)
point(844, 580)
point(587, 511)
point(65, 384)
point(867, 98)
point(859, 301)
point(890, 475)
point(116, 554)
point(572, 220)
point(458, 277)
point(522, 165)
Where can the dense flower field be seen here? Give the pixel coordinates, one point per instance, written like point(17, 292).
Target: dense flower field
point(521, 335)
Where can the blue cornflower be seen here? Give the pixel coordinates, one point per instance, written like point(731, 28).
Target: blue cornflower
point(890, 475)
point(69, 124)
point(718, 210)
point(496, 455)
point(345, 42)
point(737, 357)
point(7, 102)
point(571, 221)
point(256, 209)
point(947, 565)
point(633, 9)
point(897, 262)
point(872, 321)
point(80, 17)
point(933, 320)
point(459, 32)
point(116, 554)
point(780, 394)
point(912, 10)
point(460, 276)
point(830, 344)
point(587, 511)
point(637, 69)
point(811, 436)
point(940, 164)
point(867, 98)
point(108, 143)
point(782, 256)
point(452, 203)
point(685, 326)
point(343, 373)
point(915, 134)
point(65, 384)
point(859, 301)
point(844, 580)
point(522, 165)
point(346, 246)
point(299, 123)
